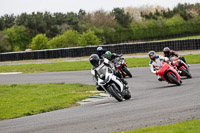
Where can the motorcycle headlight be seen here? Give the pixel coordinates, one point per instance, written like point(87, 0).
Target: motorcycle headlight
point(101, 76)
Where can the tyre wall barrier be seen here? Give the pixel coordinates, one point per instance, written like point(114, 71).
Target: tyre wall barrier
point(128, 48)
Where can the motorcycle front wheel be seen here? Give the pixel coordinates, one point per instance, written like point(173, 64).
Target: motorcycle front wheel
point(172, 78)
point(127, 71)
point(127, 96)
point(186, 73)
point(113, 90)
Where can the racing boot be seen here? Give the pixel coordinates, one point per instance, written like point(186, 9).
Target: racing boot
point(160, 79)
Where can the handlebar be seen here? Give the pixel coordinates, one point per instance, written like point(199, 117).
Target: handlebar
point(121, 55)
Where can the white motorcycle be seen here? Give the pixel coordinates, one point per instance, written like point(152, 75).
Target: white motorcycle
point(111, 83)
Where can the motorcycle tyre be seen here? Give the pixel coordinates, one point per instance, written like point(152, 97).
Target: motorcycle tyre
point(113, 91)
point(127, 71)
point(186, 73)
point(173, 79)
point(127, 96)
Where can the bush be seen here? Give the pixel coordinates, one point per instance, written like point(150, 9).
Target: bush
point(57, 42)
point(88, 38)
point(69, 39)
point(39, 42)
point(17, 37)
point(72, 38)
point(176, 25)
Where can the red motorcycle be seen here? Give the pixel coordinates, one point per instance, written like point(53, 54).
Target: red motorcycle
point(121, 66)
point(168, 73)
point(181, 67)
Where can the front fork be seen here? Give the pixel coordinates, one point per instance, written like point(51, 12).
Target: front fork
point(105, 89)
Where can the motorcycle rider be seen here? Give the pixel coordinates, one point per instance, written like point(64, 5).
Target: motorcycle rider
point(95, 61)
point(156, 61)
point(110, 56)
point(100, 52)
point(170, 53)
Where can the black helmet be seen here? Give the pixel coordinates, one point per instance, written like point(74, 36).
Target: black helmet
point(94, 60)
point(152, 55)
point(166, 51)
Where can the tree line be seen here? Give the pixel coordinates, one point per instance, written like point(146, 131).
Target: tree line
point(58, 30)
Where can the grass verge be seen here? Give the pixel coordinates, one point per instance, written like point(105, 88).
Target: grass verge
point(180, 38)
point(80, 65)
point(192, 126)
point(47, 67)
point(29, 99)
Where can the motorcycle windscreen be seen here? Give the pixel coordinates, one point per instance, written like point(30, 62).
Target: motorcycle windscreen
point(118, 62)
point(101, 74)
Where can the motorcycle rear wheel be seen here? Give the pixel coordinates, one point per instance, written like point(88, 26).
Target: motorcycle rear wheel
point(115, 93)
point(173, 79)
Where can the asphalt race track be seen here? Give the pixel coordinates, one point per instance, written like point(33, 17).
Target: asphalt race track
point(152, 103)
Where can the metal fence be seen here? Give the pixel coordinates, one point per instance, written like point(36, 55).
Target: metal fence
point(128, 48)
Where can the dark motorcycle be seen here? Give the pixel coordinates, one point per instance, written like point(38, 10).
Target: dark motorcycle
point(120, 65)
point(181, 67)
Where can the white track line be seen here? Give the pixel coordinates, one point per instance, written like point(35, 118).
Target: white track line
point(10, 73)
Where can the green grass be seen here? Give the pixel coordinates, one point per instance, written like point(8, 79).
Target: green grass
point(192, 59)
point(47, 67)
point(180, 38)
point(80, 65)
point(192, 126)
point(29, 99)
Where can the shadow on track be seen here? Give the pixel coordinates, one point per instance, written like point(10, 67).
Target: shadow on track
point(168, 86)
point(184, 78)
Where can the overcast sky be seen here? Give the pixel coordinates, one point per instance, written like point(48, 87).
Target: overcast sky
point(19, 6)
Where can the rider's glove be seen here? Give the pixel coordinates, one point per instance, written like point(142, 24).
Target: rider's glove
point(167, 61)
point(156, 72)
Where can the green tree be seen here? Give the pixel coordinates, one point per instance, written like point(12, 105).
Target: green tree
point(122, 18)
point(39, 22)
point(81, 15)
point(183, 10)
point(73, 20)
point(4, 47)
point(88, 38)
point(7, 21)
point(39, 42)
point(17, 37)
